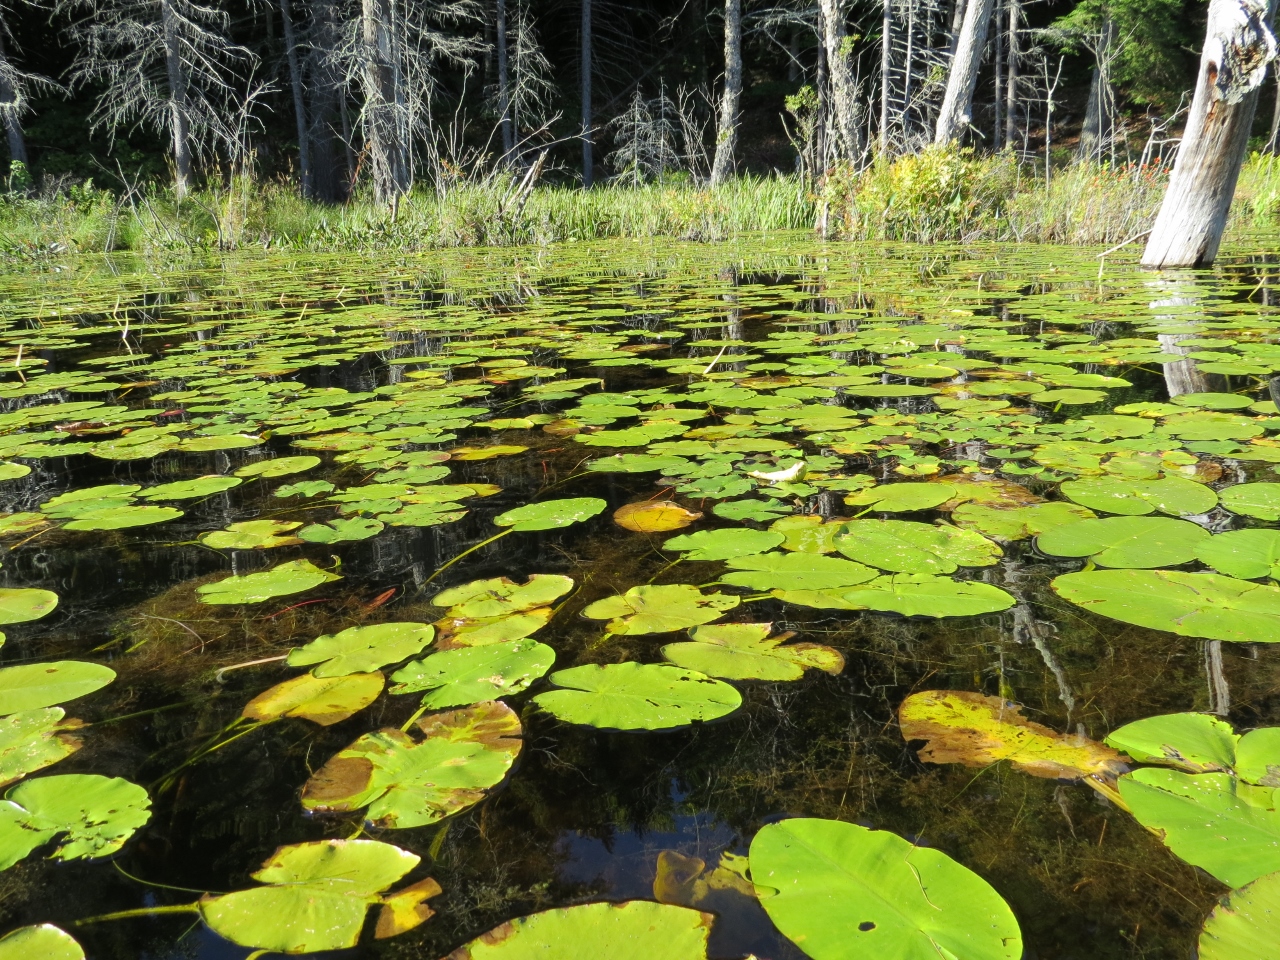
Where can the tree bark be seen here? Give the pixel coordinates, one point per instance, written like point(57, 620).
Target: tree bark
point(12, 122)
point(585, 70)
point(504, 88)
point(1275, 119)
point(1011, 81)
point(388, 152)
point(843, 94)
point(299, 107)
point(1238, 46)
point(179, 122)
point(886, 65)
point(998, 101)
point(727, 131)
point(1097, 115)
point(957, 102)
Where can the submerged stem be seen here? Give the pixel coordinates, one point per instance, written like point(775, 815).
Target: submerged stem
point(469, 550)
point(416, 714)
point(139, 912)
point(248, 663)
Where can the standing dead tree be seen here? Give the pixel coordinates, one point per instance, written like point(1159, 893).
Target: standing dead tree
point(844, 88)
point(1238, 46)
point(727, 128)
point(957, 102)
point(16, 88)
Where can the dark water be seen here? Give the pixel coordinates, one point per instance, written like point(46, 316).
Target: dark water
point(585, 813)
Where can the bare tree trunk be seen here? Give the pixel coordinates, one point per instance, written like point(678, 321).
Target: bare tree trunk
point(12, 122)
point(843, 92)
point(886, 64)
point(585, 69)
point(823, 87)
point(958, 8)
point(388, 152)
point(1097, 115)
point(727, 132)
point(997, 130)
point(957, 102)
point(1238, 46)
point(1011, 82)
point(299, 108)
point(504, 88)
point(179, 122)
point(1274, 133)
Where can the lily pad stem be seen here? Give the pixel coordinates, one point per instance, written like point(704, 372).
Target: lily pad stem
point(416, 714)
point(248, 663)
point(140, 912)
point(482, 543)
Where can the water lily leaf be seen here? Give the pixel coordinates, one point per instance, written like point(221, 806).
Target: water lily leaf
point(304, 488)
point(1134, 498)
point(1205, 605)
point(1141, 542)
point(122, 517)
point(93, 815)
point(454, 632)
point(322, 700)
point(723, 544)
point(341, 530)
point(409, 783)
point(638, 463)
point(807, 533)
point(41, 942)
point(1211, 820)
point(406, 909)
point(229, 441)
point(22, 605)
point(487, 453)
point(796, 571)
point(73, 502)
point(977, 731)
point(745, 651)
point(911, 595)
point(654, 516)
point(659, 609)
point(761, 511)
point(282, 580)
point(252, 535)
point(1243, 926)
point(420, 514)
point(501, 596)
point(279, 467)
point(472, 674)
point(631, 929)
point(907, 546)
point(31, 686)
point(190, 489)
point(362, 649)
point(845, 891)
point(1258, 757)
point(550, 514)
point(1017, 523)
point(1261, 500)
point(637, 696)
point(315, 896)
point(902, 497)
point(1247, 554)
point(33, 740)
point(13, 471)
point(13, 524)
point(1194, 742)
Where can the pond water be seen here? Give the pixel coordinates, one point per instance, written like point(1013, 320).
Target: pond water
point(775, 385)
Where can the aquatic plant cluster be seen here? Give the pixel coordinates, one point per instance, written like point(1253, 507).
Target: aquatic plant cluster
point(797, 444)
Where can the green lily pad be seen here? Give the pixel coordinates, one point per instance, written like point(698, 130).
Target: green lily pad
point(659, 609)
point(409, 783)
point(228, 441)
point(903, 497)
point(761, 511)
point(41, 942)
point(844, 891)
point(282, 580)
point(1247, 554)
point(122, 518)
point(1194, 742)
point(342, 530)
point(279, 467)
point(1019, 522)
point(1243, 926)
point(796, 571)
point(22, 605)
point(253, 535)
point(1136, 542)
point(322, 700)
point(908, 546)
point(31, 686)
point(1133, 498)
point(630, 929)
point(637, 696)
point(480, 631)
point(723, 544)
point(93, 815)
point(1205, 605)
point(910, 595)
point(304, 488)
point(550, 514)
point(13, 471)
point(471, 674)
point(1261, 500)
point(190, 489)
point(73, 503)
point(362, 649)
point(13, 524)
point(745, 651)
point(33, 740)
point(807, 533)
point(502, 596)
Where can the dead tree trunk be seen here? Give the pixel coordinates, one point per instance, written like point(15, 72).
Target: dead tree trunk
point(1011, 82)
point(9, 110)
point(843, 92)
point(587, 161)
point(388, 151)
point(179, 121)
point(299, 106)
point(1238, 46)
point(957, 102)
point(1096, 131)
point(727, 131)
point(504, 85)
point(886, 64)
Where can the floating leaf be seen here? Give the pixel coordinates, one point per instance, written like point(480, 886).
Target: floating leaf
point(13, 524)
point(93, 815)
point(550, 514)
point(322, 700)
point(1204, 605)
point(479, 631)
point(488, 453)
point(723, 544)
point(911, 595)
point(654, 516)
point(23, 605)
point(630, 929)
point(1141, 542)
point(843, 891)
point(42, 942)
point(1134, 498)
point(1018, 523)
point(745, 651)
point(252, 535)
point(659, 609)
point(292, 577)
point(1247, 554)
point(304, 488)
point(977, 731)
point(13, 471)
point(190, 489)
point(1261, 500)
point(761, 511)
point(341, 530)
point(501, 596)
point(636, 696)
point(362, 649)
point(472, 674)
point(31, 686)
point(796, 571)
point(279, 467)
point(907, 546)
point(1195, 742)
point(903, 497)
point(122, 518)
point(807, 534)
point(33, 740)
point(407, 783)
point(1243, 926)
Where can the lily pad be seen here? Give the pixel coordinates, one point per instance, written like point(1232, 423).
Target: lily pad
point(322, 700)
point(122, 518)
point(410, 783)
point(796, 571)
point(1243, 926)
point(903, 497)
point(1136, 542)
point(550, 514)
point(456, 632)
point(93, 815)
point(41, 942)
point(22, 605)
point(31, 686)
point(1260, 500)
point(910, 595)
point(501, 596)
point(342, 530)
point(362, 649)
point(907, 546)
point(190, 489)
point(636, 696)
point(279, 467)
point(13, 471)
point(1018, 522)
point(1194, 742)
point(282, 580)
point(1132, 498)
point(253, 535)
point(33, 740)
point(844, 891)
point(659, 609)
point(723, 544)
point(472, 674)
point(654, 516)
point(1247, 554)
point(746, 651)
point(1206, 605)
point(807, 533)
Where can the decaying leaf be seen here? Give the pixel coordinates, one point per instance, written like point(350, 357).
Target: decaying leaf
point(322, 700)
